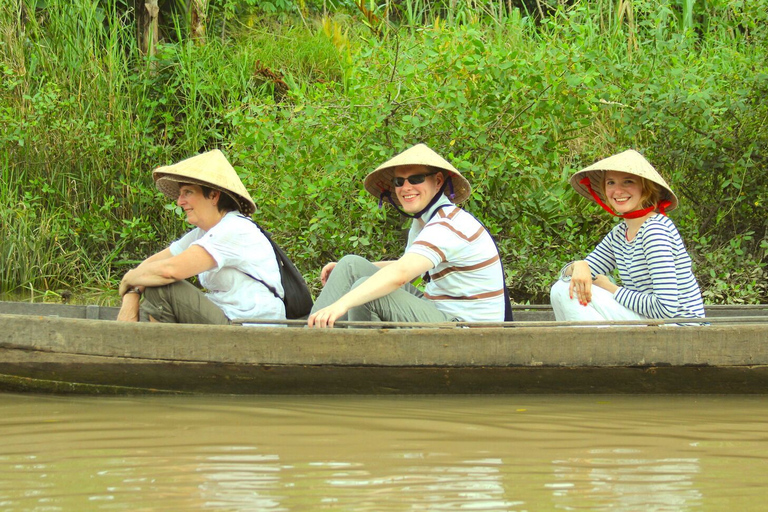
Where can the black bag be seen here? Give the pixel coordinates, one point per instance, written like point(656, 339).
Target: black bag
point(298, 300)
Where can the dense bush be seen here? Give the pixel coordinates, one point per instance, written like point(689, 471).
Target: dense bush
point(304, 114)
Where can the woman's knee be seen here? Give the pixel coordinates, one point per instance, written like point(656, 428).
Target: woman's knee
point(560, 292)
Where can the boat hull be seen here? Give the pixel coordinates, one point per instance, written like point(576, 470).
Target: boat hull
point(66, 355)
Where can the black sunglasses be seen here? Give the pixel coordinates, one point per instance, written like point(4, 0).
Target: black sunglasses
point(413, 179)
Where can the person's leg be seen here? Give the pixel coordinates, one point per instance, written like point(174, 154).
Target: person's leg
point(608, 308)
point(349, 269)
point(399, 306)
point(602, 307)
point(180, 303)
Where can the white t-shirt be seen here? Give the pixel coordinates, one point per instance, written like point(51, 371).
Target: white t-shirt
point(239, 248)
point(466, 281)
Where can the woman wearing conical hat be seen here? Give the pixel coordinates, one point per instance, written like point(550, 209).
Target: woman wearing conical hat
point(465, 274)
point(645, 248)
point(228, 253)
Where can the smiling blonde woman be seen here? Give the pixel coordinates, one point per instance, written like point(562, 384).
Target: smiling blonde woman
point(645, 248)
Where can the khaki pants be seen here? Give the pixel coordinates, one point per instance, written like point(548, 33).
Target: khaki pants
point(405, 304)
point(180, 303)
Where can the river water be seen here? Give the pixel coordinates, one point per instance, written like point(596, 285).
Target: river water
point(416, 453)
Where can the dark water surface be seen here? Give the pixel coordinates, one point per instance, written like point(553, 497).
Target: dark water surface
point(384, 453)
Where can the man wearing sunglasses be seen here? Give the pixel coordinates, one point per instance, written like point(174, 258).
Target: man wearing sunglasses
point(463, 270)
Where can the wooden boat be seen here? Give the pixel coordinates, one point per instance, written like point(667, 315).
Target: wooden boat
point(77, 349)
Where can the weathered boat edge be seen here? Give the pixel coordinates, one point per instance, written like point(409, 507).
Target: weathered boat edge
point(163, 379)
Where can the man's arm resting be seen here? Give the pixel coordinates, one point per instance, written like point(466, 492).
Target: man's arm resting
point(391, 277)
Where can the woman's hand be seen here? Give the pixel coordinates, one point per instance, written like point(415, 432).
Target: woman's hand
point(125, 284)
point(581, 282)
point(327, 272)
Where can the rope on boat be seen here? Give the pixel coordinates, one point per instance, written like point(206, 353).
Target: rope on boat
point(542, 323)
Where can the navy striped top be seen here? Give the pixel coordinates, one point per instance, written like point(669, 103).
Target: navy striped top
point(654, 268)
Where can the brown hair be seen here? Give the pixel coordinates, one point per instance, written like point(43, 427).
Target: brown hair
point(651, 195)
point(225, 204)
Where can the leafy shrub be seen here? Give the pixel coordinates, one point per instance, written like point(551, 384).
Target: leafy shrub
point(305, 109)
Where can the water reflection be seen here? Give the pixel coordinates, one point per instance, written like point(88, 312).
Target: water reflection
point(623, 479)
point(242, 478)
point(261, 482)
point(381, 454)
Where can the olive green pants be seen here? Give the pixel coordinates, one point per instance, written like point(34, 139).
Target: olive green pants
point(180, 303)
point(405, 304)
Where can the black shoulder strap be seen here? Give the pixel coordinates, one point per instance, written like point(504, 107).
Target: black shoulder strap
point(296, 295)
point(269, 238)
point(508, 317)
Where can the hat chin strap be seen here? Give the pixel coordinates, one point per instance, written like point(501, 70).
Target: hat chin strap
point(662, 206)
point(388, 195)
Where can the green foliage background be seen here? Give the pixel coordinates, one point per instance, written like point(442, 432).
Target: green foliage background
point(306, 103)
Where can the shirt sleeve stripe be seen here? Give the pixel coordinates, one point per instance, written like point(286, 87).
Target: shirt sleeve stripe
point(485, 295)
point(458, 233)
point(431, 247)
point(468, 268)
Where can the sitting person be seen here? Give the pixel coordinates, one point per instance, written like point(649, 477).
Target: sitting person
point(233, 260)
point(654, 267)
point(466, 281)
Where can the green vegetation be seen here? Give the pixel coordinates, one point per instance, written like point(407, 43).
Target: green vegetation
point(305, 105)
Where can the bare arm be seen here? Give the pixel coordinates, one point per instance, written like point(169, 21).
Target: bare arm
point(162, 255)
point(163, 268)
point(392, 276)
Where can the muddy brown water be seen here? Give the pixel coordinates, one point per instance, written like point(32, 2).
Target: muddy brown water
point(478, 453)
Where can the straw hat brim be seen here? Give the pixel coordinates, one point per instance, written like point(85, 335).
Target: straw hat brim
point(211, 169)
point(629, 161)
point(379, 180)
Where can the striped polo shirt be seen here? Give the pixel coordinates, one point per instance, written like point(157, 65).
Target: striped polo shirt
point(466, 281)
point(655, 270)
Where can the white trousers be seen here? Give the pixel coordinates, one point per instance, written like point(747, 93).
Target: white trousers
point(602, 307)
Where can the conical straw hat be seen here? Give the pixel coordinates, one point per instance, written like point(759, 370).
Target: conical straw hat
point(211, 169)
point(380, 180)
point(629, 161)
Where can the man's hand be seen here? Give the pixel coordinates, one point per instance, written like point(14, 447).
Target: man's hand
point(327, 272)
point(327, 316)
